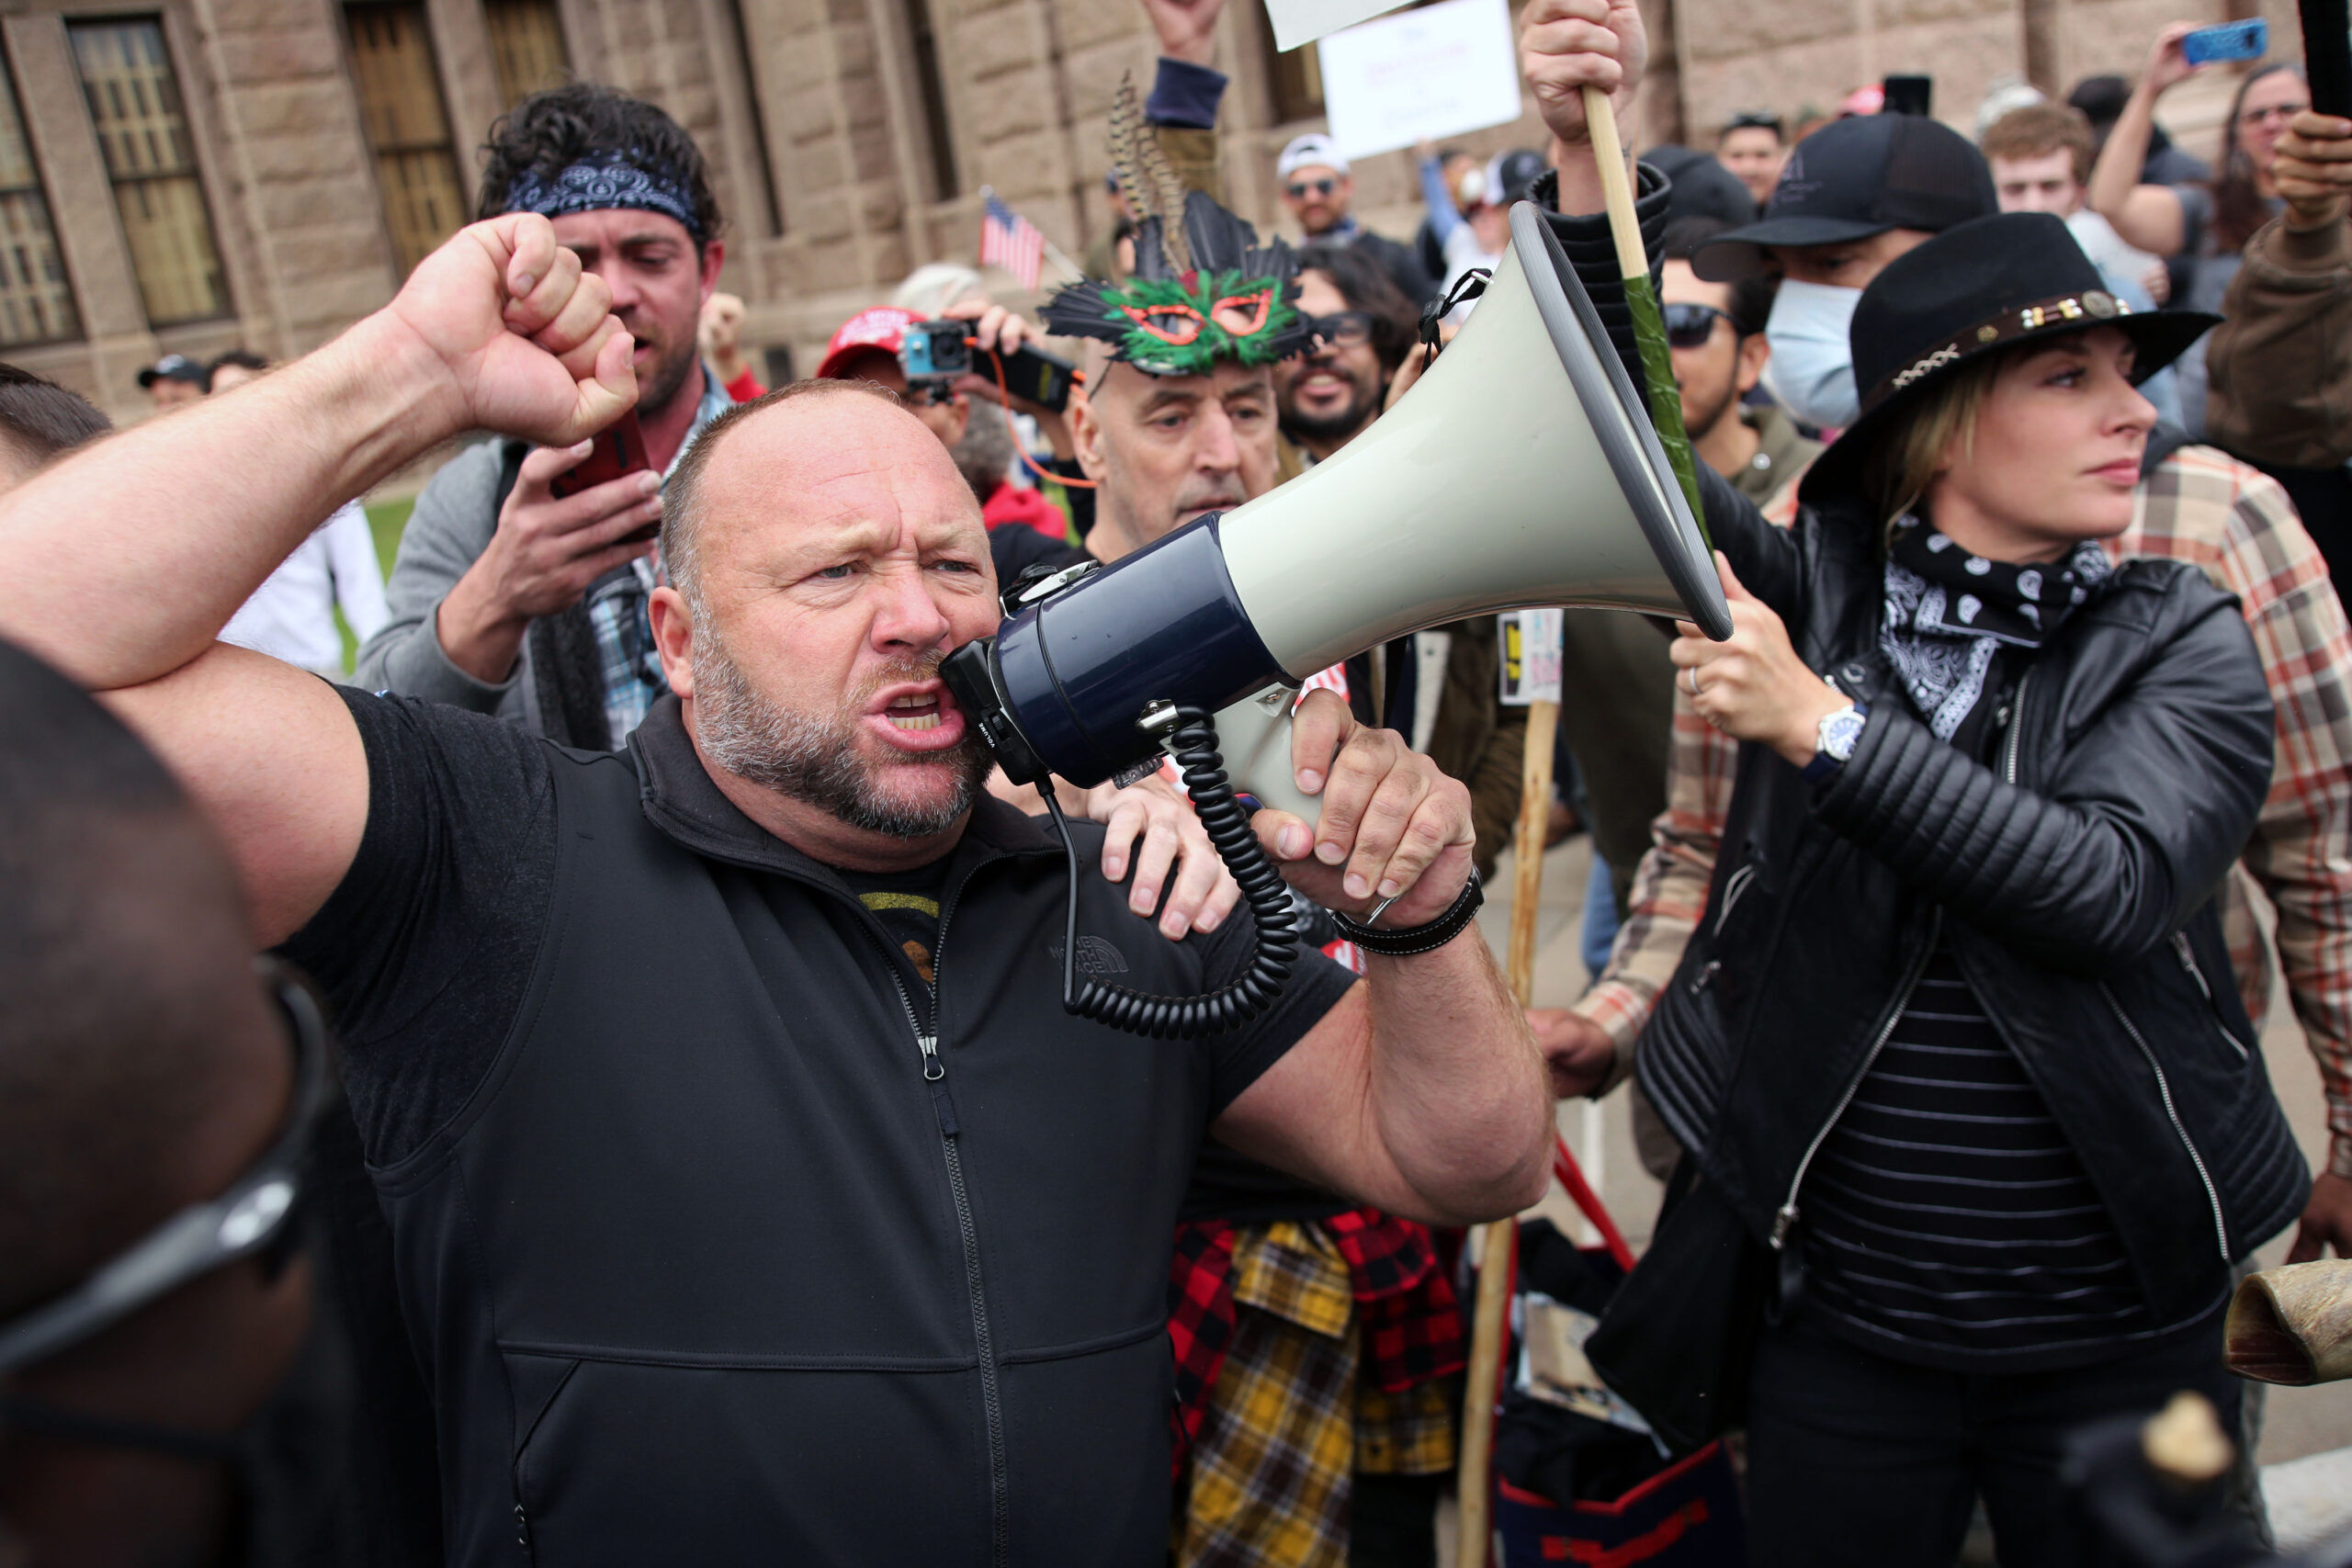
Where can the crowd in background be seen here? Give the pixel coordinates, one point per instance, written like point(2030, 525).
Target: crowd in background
point(2027, 456)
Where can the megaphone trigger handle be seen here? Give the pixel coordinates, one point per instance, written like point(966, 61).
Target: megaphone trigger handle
point(1192, 741)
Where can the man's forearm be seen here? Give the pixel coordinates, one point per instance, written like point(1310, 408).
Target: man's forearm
point(124, 561)
point(477, 631)
point(1459, 1096)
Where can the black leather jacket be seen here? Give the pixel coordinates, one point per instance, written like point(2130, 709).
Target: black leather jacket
point(2074, 881)
point(2073, 878)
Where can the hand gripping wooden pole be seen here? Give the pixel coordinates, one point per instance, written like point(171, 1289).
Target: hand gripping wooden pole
point(1476, 1491)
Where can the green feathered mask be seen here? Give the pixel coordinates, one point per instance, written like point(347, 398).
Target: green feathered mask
point(1203, 289)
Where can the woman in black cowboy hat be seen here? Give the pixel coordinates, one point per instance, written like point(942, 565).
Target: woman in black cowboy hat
point(1956, 1037)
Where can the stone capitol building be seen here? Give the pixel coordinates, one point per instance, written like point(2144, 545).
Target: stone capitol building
point(193, 175)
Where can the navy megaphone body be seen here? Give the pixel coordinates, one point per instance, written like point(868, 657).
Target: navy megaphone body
point(1520, 470)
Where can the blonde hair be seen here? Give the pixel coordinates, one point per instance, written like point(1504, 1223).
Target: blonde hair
point(1907, 459)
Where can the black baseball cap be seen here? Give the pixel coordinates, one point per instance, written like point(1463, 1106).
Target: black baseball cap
point(1856, 177)
point(174, 367)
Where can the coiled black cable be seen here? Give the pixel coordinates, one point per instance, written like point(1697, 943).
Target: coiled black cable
point(1192, 743)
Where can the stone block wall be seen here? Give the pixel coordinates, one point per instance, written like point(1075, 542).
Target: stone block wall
point(820, 131)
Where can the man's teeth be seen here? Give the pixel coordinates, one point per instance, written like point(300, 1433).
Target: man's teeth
point(927, 721)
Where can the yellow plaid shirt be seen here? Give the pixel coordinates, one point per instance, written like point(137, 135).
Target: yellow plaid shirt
point(2236, 526)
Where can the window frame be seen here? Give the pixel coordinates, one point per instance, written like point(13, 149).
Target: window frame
point(196, 124)
point(39, 189)
point(377, 151)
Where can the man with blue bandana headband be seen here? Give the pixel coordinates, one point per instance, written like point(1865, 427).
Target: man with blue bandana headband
point(507, 598)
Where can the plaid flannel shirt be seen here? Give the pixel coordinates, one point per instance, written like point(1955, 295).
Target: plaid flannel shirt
point(617, 612)
point(1337, 1370)
point(1385, 1272)
point(2237, 526)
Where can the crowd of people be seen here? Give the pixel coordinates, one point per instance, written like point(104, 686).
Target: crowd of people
point(513, 1094)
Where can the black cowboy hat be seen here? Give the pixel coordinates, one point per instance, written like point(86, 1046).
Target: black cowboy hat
point(1978, 288)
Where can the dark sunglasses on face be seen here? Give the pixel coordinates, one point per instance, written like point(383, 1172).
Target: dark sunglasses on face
point(1690, 326)
point(1342, 329)
point(256, 1214)
point(1300, 189)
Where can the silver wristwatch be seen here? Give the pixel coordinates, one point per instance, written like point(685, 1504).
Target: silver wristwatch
point(1833, 742)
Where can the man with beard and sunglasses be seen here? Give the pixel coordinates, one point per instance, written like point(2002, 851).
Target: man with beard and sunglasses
point(508, 597)
point(725, 1234)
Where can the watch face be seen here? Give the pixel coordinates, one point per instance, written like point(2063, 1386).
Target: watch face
point(1839, 732)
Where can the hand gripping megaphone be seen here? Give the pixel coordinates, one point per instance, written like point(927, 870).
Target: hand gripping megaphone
point(1520, 470)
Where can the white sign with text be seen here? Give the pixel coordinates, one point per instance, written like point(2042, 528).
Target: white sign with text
point(1420, 75)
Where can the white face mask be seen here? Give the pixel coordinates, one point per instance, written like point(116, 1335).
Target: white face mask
point(1811, 373)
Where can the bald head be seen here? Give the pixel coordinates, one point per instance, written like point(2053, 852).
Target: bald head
point(139, 1069)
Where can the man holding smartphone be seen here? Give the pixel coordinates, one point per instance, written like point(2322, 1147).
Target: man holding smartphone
point(517, 592)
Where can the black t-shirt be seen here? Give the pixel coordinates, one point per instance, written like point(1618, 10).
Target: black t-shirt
point(426, 948)
point(907, 903)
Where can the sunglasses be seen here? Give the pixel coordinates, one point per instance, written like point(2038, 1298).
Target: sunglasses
point(1751, 120)
point(1301, 189)
point(254, 1216)
point(1690, 326)
point(1342, 329)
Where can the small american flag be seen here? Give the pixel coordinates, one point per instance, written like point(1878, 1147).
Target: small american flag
point(1011, 242)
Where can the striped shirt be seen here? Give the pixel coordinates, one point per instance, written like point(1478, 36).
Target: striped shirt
point(1947, 1220)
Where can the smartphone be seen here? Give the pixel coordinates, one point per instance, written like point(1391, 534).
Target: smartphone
point(619, 451)
point(2230, 41)
point(1909, 95)
point(1040, 378)
point(935, 351)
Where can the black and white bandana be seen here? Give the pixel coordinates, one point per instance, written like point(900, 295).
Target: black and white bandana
point(606, 180)
point(1949, 611)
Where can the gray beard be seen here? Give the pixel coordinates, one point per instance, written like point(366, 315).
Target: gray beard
point(816, 761)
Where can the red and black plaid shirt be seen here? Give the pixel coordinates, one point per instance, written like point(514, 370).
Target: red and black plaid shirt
point(1410, 1317)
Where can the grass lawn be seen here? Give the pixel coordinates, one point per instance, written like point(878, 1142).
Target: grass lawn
point(385, 520)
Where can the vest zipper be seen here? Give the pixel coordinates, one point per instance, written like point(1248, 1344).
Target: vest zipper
point(942, 1105)
point(1785, 1219)
point(2188, 961)
point(2164, 1092)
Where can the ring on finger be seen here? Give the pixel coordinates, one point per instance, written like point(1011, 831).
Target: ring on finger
point(1693, 675)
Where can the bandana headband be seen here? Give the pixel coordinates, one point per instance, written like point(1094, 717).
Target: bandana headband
point(601, 182)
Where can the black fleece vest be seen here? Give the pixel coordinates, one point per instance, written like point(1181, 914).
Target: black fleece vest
point(710, 1272)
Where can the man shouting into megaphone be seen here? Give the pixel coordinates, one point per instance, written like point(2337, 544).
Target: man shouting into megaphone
point(720, 1216)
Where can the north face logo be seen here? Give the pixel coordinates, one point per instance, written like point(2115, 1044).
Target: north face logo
point(1095, 956)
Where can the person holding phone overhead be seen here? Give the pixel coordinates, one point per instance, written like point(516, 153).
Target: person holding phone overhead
point(523, 577)
point(2212, 221)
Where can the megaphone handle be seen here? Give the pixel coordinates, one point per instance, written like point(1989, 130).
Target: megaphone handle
point(1192, 743)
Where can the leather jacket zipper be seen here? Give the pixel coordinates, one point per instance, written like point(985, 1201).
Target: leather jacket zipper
point(2164, 1086)
point(2164, 1092)
point(1786, 1218)
point(2188, 961)
point(942, 1105)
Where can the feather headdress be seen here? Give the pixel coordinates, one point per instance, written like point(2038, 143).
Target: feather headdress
point(1203, 289)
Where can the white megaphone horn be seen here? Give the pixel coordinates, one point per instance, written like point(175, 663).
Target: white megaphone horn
point(1520, 470)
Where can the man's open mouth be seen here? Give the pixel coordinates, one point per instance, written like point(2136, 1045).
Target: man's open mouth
point(913, 712)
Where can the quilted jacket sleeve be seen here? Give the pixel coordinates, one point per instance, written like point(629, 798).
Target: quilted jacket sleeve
point(2146, 810)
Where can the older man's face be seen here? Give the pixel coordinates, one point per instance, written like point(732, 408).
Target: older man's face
point(1167, 449)
point(841, 557)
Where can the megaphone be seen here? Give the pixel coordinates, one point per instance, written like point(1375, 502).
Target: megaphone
point(1520, 470)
